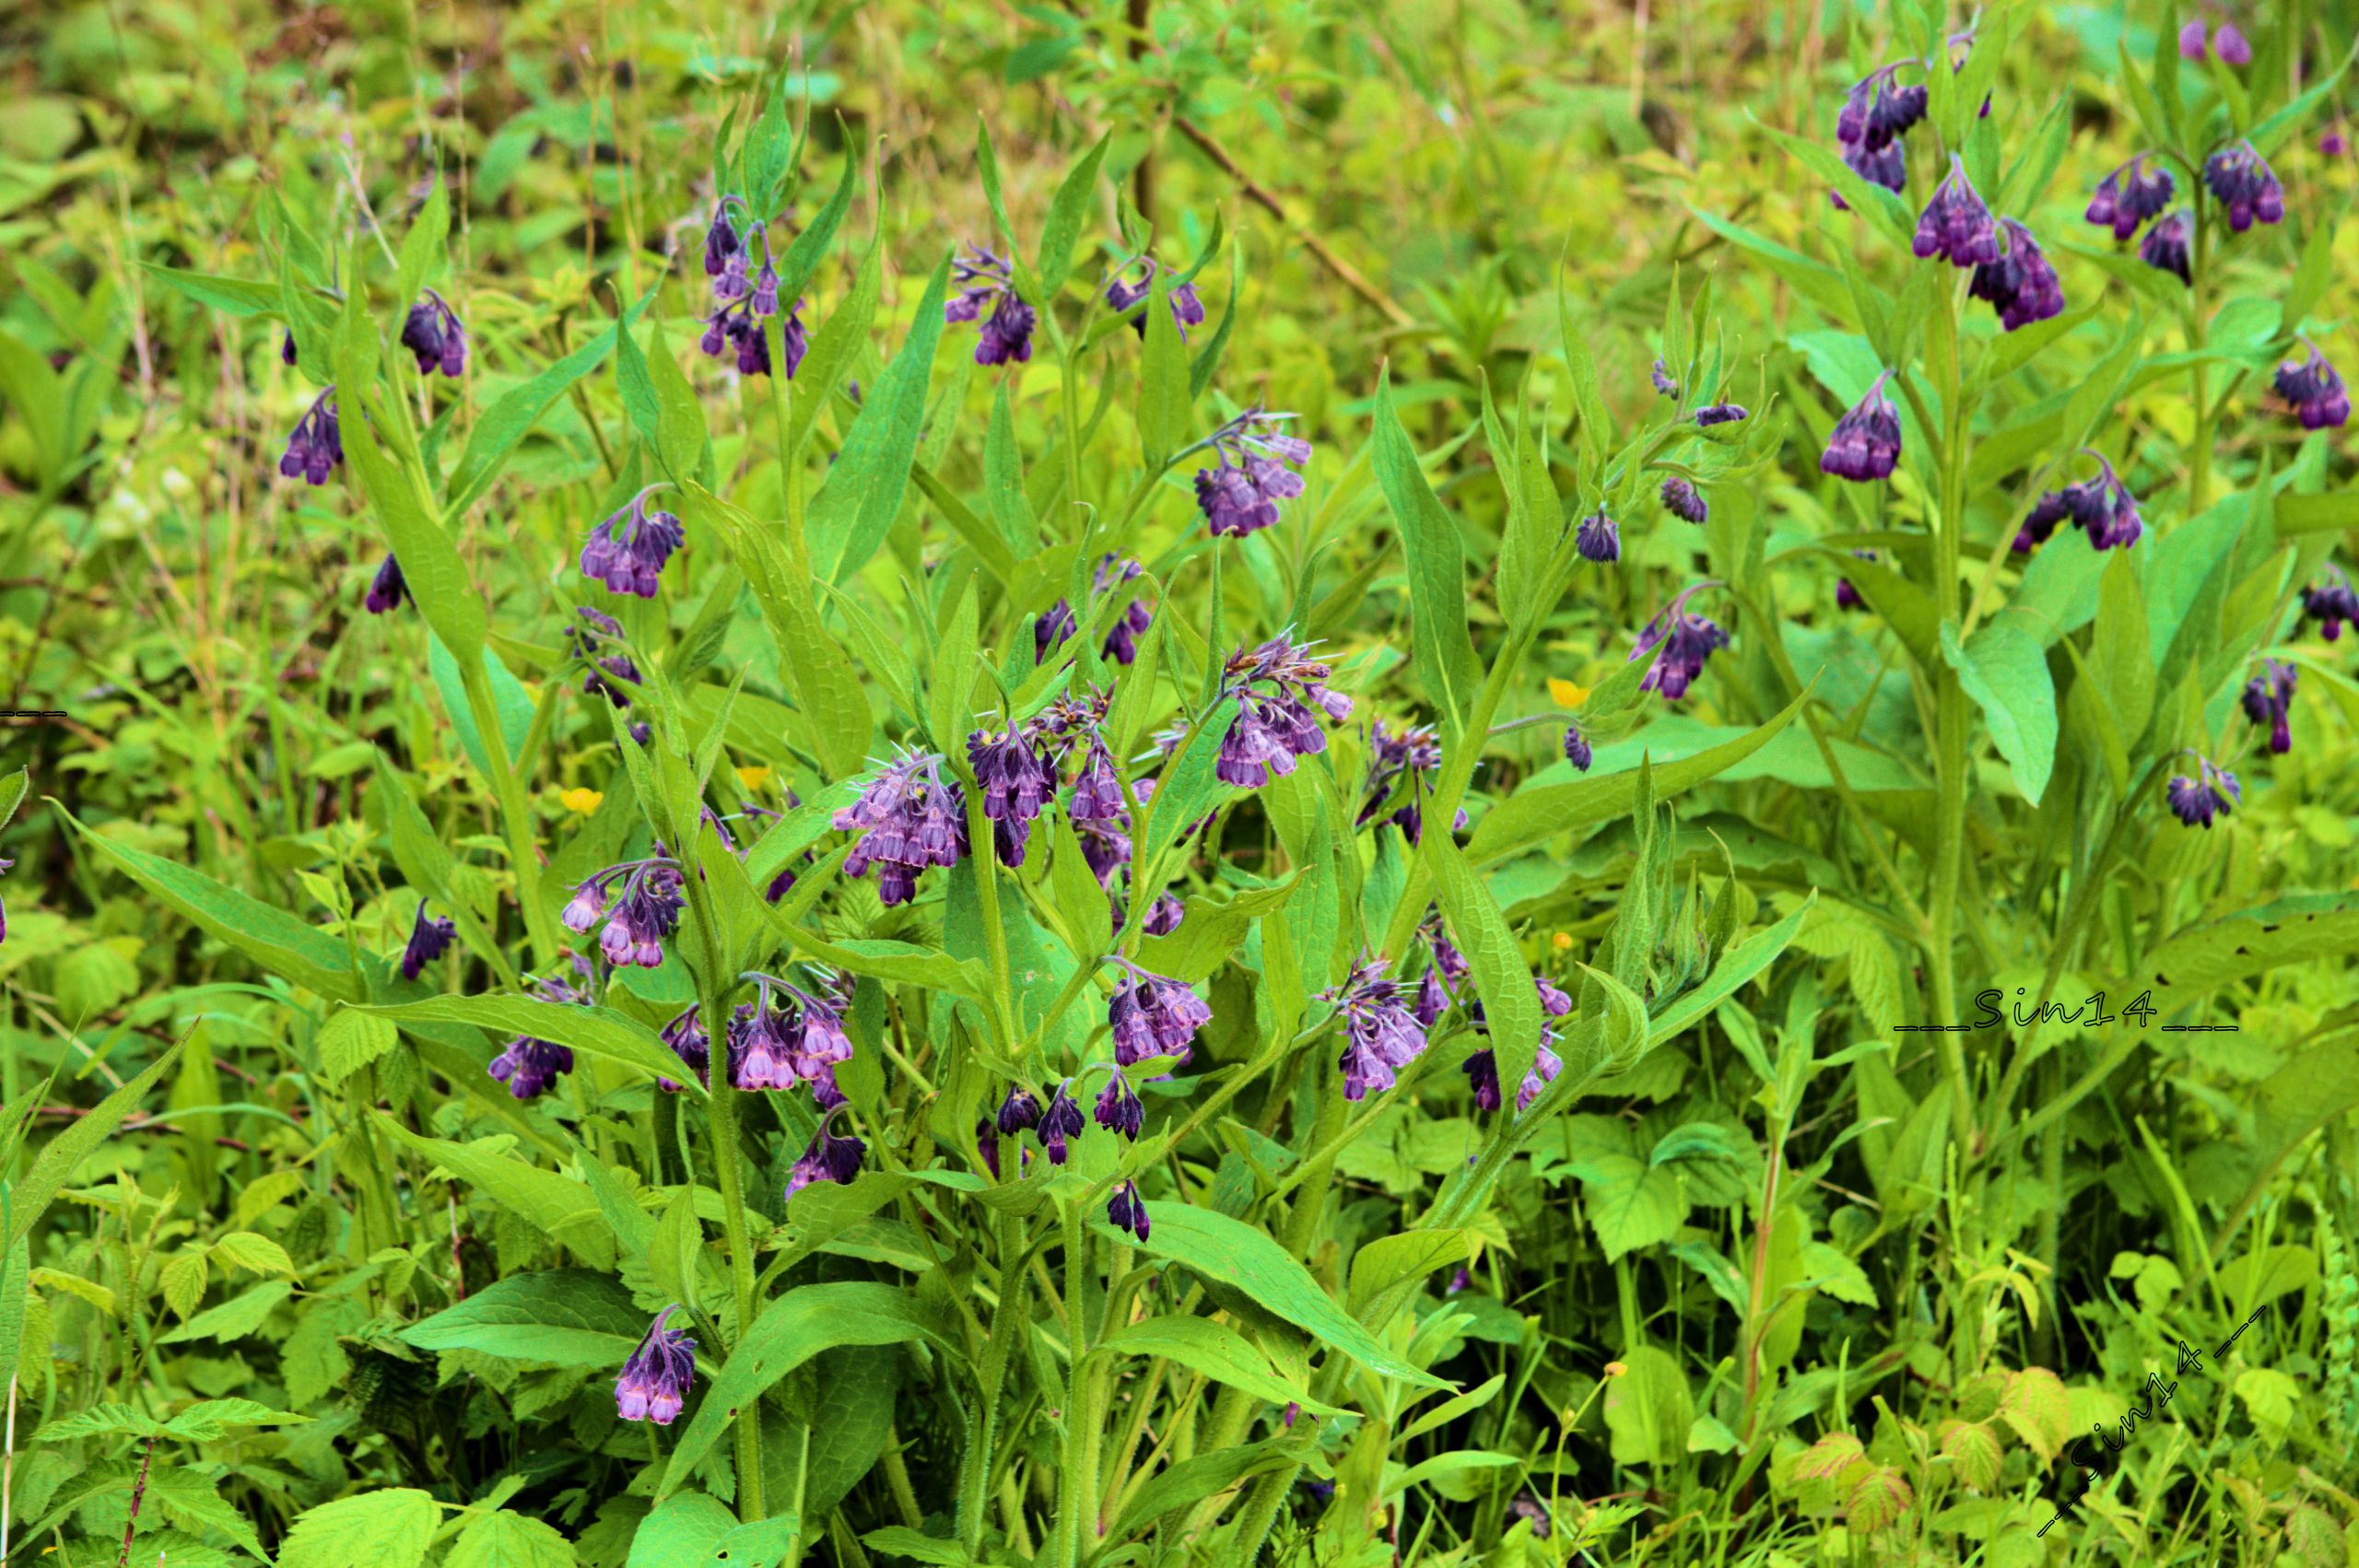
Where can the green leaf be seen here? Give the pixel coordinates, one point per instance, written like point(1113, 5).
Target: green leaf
point(2299, 929)
point(1502, 978)
point(1212, 931)
point(834, 348)
point(1535, 814)
point(1403, 1257)
point(1649, 1409)
point(426, 242)
point(810, 247)
point(862, 495)
point(950, 701)
point(232, 296)
point(506, 422)
point(58, 1159)
point(684, 1527)
point(1190, 1481)
point(2004, 672)
point(679, 435)
point(373, 1529)
point(1232, 1253)
point(1067, 208)
point(593, 1030)
point(1164, 397)
point(510, 700)
point(558, 1206)
point(351, 1040)
point(1441, 646)
point(790, 1331)
point(235, 1318)
point(503, 1540)
point(437, 578)
point(899, 1540)
point(565, 1317)
point(1218, 1351)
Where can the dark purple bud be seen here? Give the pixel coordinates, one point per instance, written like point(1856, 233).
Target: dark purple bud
point(1016, 781)
point(387, 588)
point(2021, 286)
point(316, 444)
point(2268, 700)
point(1663, 382)
point(1119, 1109)
point(626, 550)
point(1007, 338)
point(2243, 183)
point(686, 1035)
point(827, 1158)
point(2191, 39)
point(1163, 916)
point(2314, 391)
point(430, 938)
point(1681, 641)
point(1866, 441)
point(1050, 630)
point(1019, 1111)
point(1187, 311)
point(1459, 1283)
point(2333, 144)
point(1721, 413)
point(1846, 596)
point(2212, 792)
point(1886, 166)
point(1954, 224)
point(2330, 603)
point(987, 1145)
point(640, 903)
point(655, 1382)
point(1576, 748)
point(1597, 539)
point(1683, 500)
point(1127, 1211)
point(720, 244)
point(2130, 195)
point(2101, 507)
point(2230, 41)
point(1153, 1015)
point(2165, 247)
point(1877, 110)
point(1096, 789)
point(1060, 1123)
point(286, 348)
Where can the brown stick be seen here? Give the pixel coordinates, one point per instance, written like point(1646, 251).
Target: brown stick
point(1348, 274)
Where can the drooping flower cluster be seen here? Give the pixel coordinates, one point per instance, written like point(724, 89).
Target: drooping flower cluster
point(1280, 691)
point(640, 903)
point(2165, 247)
point(1154, 1015)
point(1598, 539)
point(2021, 284)
point(1119, 1109)
point(1017, 779)
point(2330, 601)
point(827, 1158)
point(1683, 500)
point(1721, 413)
point(1060, 1124)
point(1577, 749)
point(1383, 1035)
point(784, 1036)
point(2230, 41)
point(387, 588)
point(1125, 1210)
point(626, 550)
point(1240, 494)
point(529, 1065)
point(1681, 641)
point(1396, 759)
point(2130, 195)
point(1876, 114)
point(2213, 791)
point(1955, 225)
point(2313, 391)
point(433, 332)
point(1105, 845)
point(1865, 442)
point(2268, 700)
point(740, 303)
point(2101, 507)
point(910, 816)
point(316, 444)
point(429, 939)
point(1187, 311)
point(2243, 183)
point(1482, 1069)
point(985, 280)
point(653, 1383)
point(1121, 643)
point(596, 639)
point(686, 1035)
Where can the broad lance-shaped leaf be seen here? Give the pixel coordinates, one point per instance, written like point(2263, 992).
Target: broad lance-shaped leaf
point(431, 566)
point(1502, 978)
point(593, 1030)
point(2297, 930)
point(1215, 1350)
point(1247, 1259)
point(566, 1316)
point(790, 1331)
point(506, 422)
point(1441, 644)
point(1533, 815)
point(2004, 672)
point(862, 495)
point(1191, 1480)
point(563, 1209)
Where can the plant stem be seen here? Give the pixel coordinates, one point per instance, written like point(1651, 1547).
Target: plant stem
point(2198, 479)
point(1077, 1483)
point(1950, 763)
point(726, 1162)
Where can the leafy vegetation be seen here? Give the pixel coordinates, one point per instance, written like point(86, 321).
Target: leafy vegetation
point(1166, 783)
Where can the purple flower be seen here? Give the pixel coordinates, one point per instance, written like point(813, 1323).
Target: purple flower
point(2164, 246)
point(687, 1037)
point(1187, 311)
point(528, 1064)
point(987, 1145)
point(1576, 748)
point(592, 630)
point(433, 332)
point(2269, 700)
point(2314, 390)
point(1050, 630)
point(2230, 41)
point(1721, 413)
point(1482, 1069)
point(720, 242)
point(388, 588)
point(1955, 225)
point(1877, 112)
point(1019, 1111)
point(1886, 166)
point(1163, 916)
point(2332, 142)
point(6, 866)
point(1410, 755)
point(1016, 781)
point(2212, 792)
point(316, 445)
point(1127, 1211)
point(1384, 1036)
point(986, 279)
point(1154, 1015)
point(2330, 603)
point(1865, 443)
point(286, 354)
point(1059, 1123)
point(1681, 642)
point(1597, 539)
point(626, 550)
point(2190, 41)
point(1240, 493)
point(640, 903)
point(2130, 195)
point(908, 817)
point(2243, 183)
point(655, 1382)
point(2101, 507)
point(1528, 1508)
point(826, 1158)
point(429, 939)
point(1119, 1109)
point(1846, 596)
point(785, 1036)
point(1665, 384)
point(1280, 693)
point(1683, 500)
point(1122, 638)
point(2021, 284)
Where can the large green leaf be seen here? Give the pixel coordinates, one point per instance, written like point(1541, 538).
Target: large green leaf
point(566, 1316)
point(1441, 646)
point(504, 1540)
point(507, 422)
point(790, 1331)
point(593, 1030)
point(2004, 672)
point(862, 495)
point(564, 1209)
point(1502, 978)
point(388, 1528)
point(1235, 1254)
point(1215, 1350)
point(1191, 1480)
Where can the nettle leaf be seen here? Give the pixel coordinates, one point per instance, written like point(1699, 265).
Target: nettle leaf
point(502, 1540)
point(565, 1317)
point(1974, 1449)
point(396, 1524)
point(201, 1422)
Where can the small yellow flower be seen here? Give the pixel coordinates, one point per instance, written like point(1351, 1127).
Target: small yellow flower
point(754, 777)
point(581, 800)
point(1617, 1369)
point(1564, 694)
point(1562, 942)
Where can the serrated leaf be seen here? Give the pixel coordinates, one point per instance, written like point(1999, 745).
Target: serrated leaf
point(389, 1529)
point(502, 1540)
point(254, 1252)
point(351, 1040)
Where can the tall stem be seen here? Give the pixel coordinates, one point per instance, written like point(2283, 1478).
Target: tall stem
point(2198, 479)
point(727, 1166)
point(1950, 723)
point(1077, 1485)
